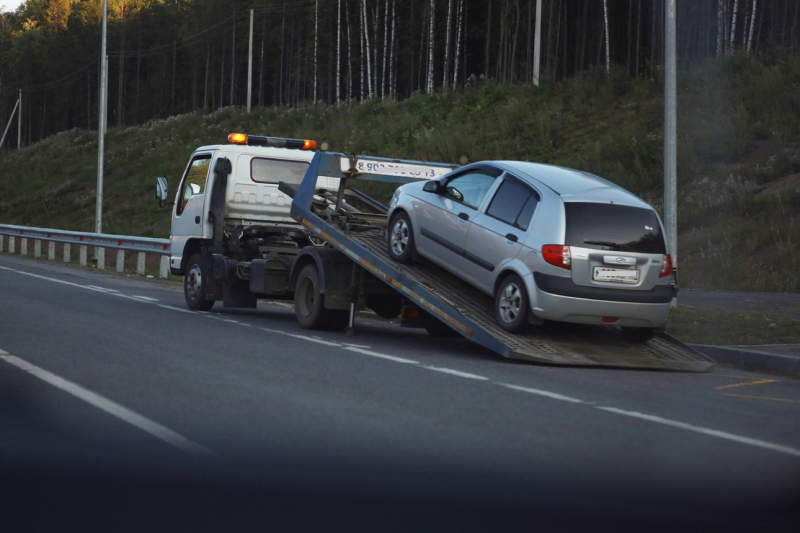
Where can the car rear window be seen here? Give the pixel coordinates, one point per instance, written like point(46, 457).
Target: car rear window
point(265, 170)
point(618, 228)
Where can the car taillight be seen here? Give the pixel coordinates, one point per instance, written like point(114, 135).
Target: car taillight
point(558, 255)
point(666, 266)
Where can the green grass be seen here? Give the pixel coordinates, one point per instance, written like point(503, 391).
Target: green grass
point(721, 327)
point(738, 127)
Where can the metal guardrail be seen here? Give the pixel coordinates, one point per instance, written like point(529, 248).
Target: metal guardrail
point(100, 241)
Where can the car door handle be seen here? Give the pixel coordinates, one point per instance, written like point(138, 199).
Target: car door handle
point(463, 216)
point(197, 220)
point(512, 237)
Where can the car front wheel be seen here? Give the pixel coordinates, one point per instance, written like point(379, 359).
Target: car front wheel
point(511, 304)
point(401, 238)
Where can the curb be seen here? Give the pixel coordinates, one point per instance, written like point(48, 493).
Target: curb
point(768, 363)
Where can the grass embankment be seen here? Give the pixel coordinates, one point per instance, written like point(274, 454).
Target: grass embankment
point(724, 327)
point(738, 156)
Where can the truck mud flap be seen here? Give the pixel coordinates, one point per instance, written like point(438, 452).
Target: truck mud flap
point(471, 313)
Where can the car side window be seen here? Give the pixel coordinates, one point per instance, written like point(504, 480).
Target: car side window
point(471, 188)
point(194, 182)
point(514, 204)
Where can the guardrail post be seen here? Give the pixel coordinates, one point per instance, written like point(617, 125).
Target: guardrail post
point(83, 255)
point(140, 264)
point(37, 248)
point(66, 252)
point(163, 270)
point(120, 260)
point(51, 250)
point(101, 258)
point(23, 247)
point(2, 237)
point(12, 242)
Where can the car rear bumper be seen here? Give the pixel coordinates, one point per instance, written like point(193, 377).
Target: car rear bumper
point(566, 302)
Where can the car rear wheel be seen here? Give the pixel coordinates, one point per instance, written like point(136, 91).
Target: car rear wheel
point(511, 304)
point(401, 238)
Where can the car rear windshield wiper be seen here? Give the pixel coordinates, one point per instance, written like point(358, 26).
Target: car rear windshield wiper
point(606, 243)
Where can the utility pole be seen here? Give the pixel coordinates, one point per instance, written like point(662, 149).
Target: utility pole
point(105, 97)
point(101, 127)
point(670, 132)
point(10, 120)
point(19, 122)
point(250, 65)
point(537, 43)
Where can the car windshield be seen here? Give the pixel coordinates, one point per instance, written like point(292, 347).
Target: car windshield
point(612, 227)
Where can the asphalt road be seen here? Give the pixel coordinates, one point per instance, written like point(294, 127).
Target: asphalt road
point(121, 410)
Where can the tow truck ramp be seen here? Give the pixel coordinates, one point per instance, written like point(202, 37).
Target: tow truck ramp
point(467, 310)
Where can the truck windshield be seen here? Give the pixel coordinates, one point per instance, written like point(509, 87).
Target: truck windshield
point(265, 170)
point(618, 228)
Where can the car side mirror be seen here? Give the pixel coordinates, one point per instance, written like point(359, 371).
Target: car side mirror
point(195, 188)
point(433, 186)
point(162, 191)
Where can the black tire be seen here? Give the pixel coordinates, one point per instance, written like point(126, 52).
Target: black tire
point(309, 304)
point(511, 304)
point(401, 238)
point(639, 334)
point(196, 283)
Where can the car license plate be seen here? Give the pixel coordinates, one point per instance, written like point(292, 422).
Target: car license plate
point(615, 275)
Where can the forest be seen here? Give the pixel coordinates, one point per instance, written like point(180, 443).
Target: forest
point(171, 57)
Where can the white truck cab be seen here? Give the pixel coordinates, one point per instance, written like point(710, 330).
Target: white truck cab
point(251, 195)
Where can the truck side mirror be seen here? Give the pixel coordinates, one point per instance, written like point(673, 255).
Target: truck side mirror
point(162, 191)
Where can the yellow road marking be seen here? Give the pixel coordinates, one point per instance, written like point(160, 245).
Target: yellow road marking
point(747, 384)
point(761, 398)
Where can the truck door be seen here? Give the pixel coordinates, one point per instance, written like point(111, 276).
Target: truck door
point(188, 219)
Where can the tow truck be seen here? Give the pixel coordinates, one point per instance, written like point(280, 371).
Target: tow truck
point(330, 257)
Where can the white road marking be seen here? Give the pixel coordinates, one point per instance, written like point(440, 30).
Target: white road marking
point(456, 373)
point(123, 413)
point(301, 337)
point(6, 268)
point(380, 355)
point(172, 308)
point(706, 431)
point(356, 345)
point(545, 393)
point(145, 298)
point(101, 288)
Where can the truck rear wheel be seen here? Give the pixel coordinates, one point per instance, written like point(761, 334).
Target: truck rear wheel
point(309, 303)
point(195, 285)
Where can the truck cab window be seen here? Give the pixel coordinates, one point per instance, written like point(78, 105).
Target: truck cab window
point(264, 170)
point(194, 182)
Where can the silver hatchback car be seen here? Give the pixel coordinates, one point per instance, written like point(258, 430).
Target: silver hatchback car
point(548, 243)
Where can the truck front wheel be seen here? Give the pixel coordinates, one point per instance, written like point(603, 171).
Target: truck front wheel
point(195, 285)
point(309, 305)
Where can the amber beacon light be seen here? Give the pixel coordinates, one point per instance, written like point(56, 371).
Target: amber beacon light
point(274, 142)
